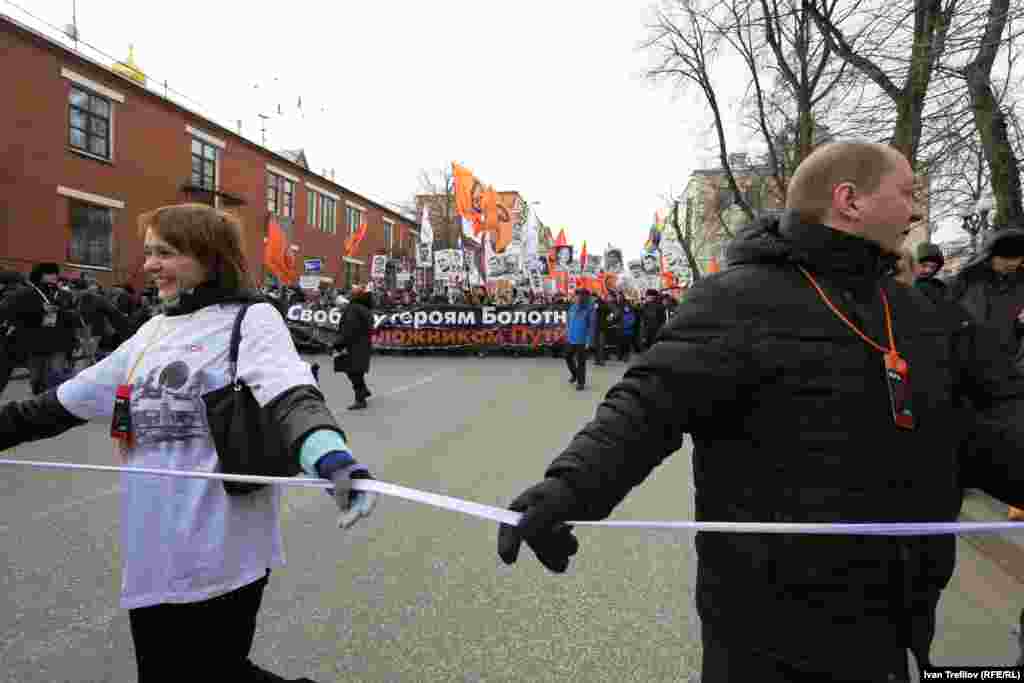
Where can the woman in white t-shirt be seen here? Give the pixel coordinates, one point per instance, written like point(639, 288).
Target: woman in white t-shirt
point(196, 559)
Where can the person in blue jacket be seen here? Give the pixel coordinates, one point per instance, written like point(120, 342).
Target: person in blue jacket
point(582, 318)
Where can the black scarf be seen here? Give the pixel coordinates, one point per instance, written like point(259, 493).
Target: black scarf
point(203, 295)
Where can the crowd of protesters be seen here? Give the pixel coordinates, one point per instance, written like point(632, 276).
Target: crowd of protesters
point(53, 325)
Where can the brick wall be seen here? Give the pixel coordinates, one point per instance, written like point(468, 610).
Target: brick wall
point(151, 161)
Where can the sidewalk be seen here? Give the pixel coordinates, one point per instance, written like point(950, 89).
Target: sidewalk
point(1005, 549)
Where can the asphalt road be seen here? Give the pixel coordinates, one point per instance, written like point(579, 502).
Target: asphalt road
point(415, 593)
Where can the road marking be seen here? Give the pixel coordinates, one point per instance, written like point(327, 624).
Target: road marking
point(418, 383)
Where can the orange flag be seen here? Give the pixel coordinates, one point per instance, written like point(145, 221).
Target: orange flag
point(464, 182)
point(713, 266)
point(489, 208)
point(505, 227)
point(352, 243)
point(275, 253)
point(561, 241)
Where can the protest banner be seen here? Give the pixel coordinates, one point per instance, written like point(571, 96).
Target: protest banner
point(449, 326)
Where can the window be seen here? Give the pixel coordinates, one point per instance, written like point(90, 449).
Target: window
point(280, 195)
point(328, 218)
point(204, 164)
point(311, 201)
point(92, 230)
point(89, 122)
point(389, 230)
point(355, 219)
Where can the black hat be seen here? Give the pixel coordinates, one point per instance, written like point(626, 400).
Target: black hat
point(652, 292)
point(41, 269)
point(1009, 246)
point(926, 251)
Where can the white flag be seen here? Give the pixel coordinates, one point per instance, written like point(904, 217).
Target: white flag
point(424, 251)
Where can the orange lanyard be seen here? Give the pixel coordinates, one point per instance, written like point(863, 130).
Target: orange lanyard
point(888, 352)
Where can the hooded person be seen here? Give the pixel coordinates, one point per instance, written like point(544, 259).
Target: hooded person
point(991, 287)
point(353, 347)
point(928, 262)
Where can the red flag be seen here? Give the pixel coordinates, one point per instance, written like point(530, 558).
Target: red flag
point(352, 243)
point(713, 266)
point(583, 256)
point(561, 241)
point(275, 254)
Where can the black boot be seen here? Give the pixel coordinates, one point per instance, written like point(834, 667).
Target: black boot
point(360, 404)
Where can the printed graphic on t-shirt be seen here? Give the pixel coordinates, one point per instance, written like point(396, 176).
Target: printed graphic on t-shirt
point(168, 406)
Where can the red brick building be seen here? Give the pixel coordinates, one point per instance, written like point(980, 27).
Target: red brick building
point(86, 150)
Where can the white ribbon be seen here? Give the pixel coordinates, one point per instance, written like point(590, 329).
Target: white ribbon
point(509, 517)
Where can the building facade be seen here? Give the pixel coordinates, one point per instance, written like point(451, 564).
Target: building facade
point(87, 149)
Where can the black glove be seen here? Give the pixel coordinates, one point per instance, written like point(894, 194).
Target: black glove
point(545, 507)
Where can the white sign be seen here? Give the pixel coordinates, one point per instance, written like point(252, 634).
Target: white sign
point(309, 282)
point(379, 267)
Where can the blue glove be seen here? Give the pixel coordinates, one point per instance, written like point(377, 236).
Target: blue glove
point(341, 468)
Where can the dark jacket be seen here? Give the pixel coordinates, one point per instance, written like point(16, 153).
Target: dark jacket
point(790, 417)
point(102, 318)
point(296, 413)
point(604, 312)
point(354, 332)
point(654, 316)
point(24, 308)
point(932, 287)
point(994, 300)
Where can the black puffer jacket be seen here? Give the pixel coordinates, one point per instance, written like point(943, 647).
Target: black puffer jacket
point(993, 299)
point(354, 332)
point(791, 422)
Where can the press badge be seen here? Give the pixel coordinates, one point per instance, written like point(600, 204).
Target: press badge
point(121, 421)
point(898, 379)
point(49, 315)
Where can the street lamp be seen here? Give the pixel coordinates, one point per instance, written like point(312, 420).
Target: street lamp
point(975, 219)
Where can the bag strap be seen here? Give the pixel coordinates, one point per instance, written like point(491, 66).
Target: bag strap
point(236, 339)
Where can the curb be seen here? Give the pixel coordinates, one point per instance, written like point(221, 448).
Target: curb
point(1005, 550)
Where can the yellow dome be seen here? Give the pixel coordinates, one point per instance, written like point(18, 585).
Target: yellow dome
point(129, 69)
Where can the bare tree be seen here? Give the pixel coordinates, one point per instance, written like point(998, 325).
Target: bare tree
point(437, 193)
point(931, 21)
point(991, 121)
point(684, 40)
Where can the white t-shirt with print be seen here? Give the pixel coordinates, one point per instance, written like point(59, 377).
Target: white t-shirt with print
point(185, 540)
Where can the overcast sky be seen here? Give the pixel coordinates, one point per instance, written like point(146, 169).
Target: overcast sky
point(540, 96)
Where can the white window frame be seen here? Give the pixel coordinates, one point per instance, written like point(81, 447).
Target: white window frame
point(285, 174)
point(206, 137)
point(90, 198)
point(89, 84)
point(389, 235)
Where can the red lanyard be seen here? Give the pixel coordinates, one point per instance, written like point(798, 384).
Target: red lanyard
point(888, 352)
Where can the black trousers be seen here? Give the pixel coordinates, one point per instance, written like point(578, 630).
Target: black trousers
point(733, 663)
point(358, 380)
point(626, 345)
point(599, 347)
point(576, 360)
point(208, 640)
point(7, 365)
